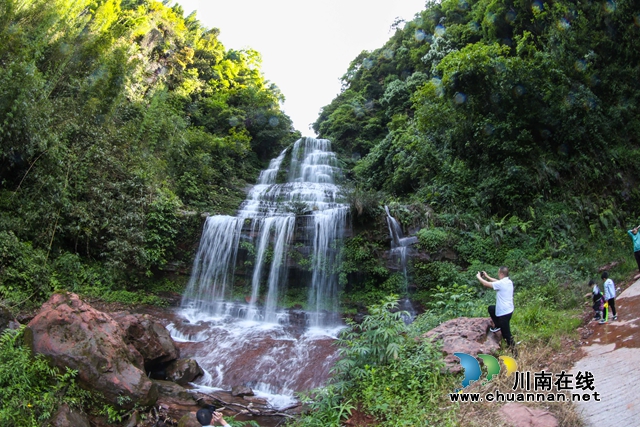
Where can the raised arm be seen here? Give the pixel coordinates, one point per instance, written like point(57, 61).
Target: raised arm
point(484, 282)
point(217, 418)
point(489, 278)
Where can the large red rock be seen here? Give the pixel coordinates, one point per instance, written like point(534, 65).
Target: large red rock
point(73, 334)
point(150, 338)
point(66, 417)
point(175, 399)
point(465, 335)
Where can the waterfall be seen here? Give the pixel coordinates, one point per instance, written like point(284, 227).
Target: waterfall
point(323, 292)
point(232, 316)
point(400, 247)
point(266, 224)
point(214, 263)
point(399, 243)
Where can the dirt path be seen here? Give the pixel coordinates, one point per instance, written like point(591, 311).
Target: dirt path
point(613, 357)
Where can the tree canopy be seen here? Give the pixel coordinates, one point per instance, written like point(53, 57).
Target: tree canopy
point(117, 119)
point(497, 107)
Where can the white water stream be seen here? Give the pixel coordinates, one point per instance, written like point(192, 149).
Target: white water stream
point(250, 340)
point(400, 247)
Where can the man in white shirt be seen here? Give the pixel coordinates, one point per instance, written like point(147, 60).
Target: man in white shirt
point(502, 311)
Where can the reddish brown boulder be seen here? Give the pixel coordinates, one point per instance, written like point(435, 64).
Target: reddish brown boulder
point(183, 371)
point(150, 338)
point(73, 334)
point(175, 398)
point(518, 415)
point(465, 335)
point(66, 417)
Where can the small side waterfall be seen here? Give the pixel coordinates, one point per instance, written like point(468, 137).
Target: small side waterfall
point(400, 247)
point(399, 243)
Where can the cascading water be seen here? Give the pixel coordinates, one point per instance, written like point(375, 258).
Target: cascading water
point(400, 247)
point(265, 221)
point(249, 339)
point(399, 243)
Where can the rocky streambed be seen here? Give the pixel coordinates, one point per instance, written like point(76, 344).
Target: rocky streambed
point(130, 358)
point(163, 364)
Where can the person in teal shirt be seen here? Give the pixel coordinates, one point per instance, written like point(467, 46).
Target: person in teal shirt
point(636, 243)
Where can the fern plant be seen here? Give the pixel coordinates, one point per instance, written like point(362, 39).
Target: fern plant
point(375, 341)
point(30, 389)
point(384, 371)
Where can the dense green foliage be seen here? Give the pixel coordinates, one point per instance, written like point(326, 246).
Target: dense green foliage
point(30, 390)
point(498, 133)
point(387, 370)
point(497, 108)
point(120, 121)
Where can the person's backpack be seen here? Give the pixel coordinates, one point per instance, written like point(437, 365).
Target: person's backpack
point(598, 300)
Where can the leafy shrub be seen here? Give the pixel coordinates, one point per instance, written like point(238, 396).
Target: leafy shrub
point(454, 300)
point(433, 239)
point(31, 390)
point(473, 247)
point(328, 408)
point(447, 302)
point(175, 284)
point(390, 374)
point(404, 392)
point(72, 274)
point(427, 275)
point(375, 341)
point(24, 274)
point(362, 271)
point(395, 284)
point(516, 259)
point(162, 227)
point(364, 204)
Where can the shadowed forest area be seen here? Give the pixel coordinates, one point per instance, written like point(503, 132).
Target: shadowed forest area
point(121, 121)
